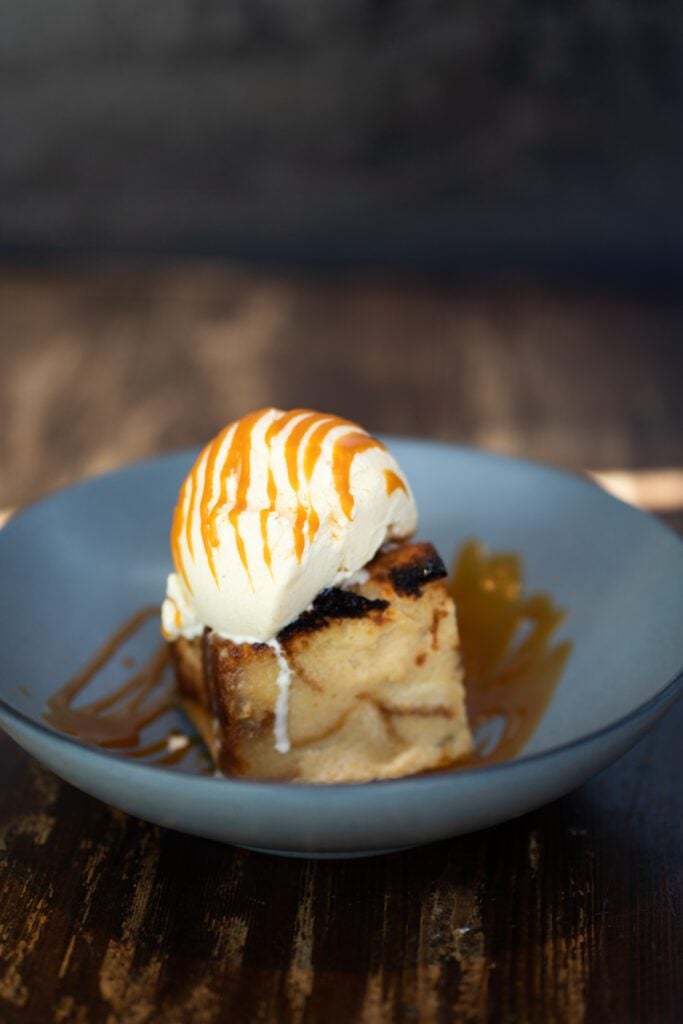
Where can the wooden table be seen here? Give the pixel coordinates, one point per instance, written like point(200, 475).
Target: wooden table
point(572, 913)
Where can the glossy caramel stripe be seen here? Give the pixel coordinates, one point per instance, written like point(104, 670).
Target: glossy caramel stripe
point(292, 451)
point(190, 510)
point(317, 426)
point(272, 496)
point(345, 451)
point(267, 553)
point(182, 521)
point(306, 419)
point(394, 482)
point(311, 456)
point(275, 428)
point(206, 522)
point(238, 461)
point(176, 531)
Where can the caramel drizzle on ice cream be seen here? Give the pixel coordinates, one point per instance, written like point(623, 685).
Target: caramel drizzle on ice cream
point(229, 457)
point(394, 482)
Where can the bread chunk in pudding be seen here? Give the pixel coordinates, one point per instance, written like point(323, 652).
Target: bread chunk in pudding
point(375, 691)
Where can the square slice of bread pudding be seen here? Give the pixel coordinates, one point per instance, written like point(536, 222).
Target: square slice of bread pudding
point(374, 682)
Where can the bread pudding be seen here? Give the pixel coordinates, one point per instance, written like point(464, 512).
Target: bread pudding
point(375, 688)
point(313, 640)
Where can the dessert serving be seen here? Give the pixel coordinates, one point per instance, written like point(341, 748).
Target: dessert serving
point(312, 639)
point(362, 679)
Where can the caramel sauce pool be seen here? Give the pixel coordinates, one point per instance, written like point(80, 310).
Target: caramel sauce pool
point(510, 655)
point(511, 660)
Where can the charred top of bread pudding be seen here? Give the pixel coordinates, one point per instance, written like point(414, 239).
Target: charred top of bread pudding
point(333, 603)
point(402, 570)
point(409, 567)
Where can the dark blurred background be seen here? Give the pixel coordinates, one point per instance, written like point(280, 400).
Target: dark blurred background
point(454, 132)
point(456, 219)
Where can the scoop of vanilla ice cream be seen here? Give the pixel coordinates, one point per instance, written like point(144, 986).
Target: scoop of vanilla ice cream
point(279, 507)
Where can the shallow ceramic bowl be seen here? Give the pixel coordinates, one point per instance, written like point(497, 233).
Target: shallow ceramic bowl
point(73, 567)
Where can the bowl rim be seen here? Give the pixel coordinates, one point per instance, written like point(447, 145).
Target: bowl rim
point(665, 696)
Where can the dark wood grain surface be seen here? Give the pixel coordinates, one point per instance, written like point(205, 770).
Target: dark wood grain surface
point(572, 913)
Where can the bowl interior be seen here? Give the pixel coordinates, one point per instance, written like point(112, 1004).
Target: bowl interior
point(78, 564)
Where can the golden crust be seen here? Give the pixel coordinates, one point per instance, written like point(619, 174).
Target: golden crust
point(376, 690)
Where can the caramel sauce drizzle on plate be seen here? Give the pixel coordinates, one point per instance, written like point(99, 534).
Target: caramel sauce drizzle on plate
point(511, 658)
point(117, 720)
point(303, 447)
